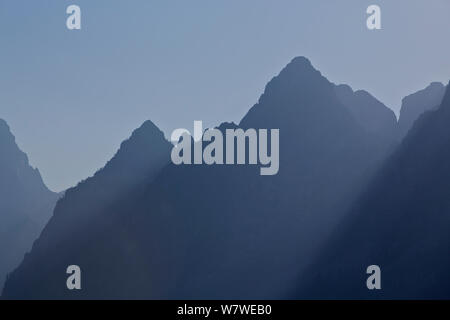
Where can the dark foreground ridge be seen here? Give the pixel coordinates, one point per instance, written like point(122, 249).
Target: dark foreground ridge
point(401, 223)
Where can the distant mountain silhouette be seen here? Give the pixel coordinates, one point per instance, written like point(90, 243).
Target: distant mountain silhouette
point(414, 105)
point(25, 203)
point(198, 231)
point(370, 113)
point(86, 211)
point(400, 223)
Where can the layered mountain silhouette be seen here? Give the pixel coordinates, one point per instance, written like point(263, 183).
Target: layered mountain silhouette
point(145, 228)
point(370, 113)
point(417, 103)
point(401, 223)
point(26, 204)
point(86, 216)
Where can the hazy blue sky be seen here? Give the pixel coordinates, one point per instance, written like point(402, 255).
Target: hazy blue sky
point(71, 97)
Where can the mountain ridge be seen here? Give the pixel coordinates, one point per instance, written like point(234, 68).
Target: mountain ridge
point(144, 228)
point(417, 103)
point(25, 205)
point(192, 231)
point(400, 223)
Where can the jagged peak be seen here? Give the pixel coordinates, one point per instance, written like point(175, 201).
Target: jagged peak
point(301, 61)
point(300, 65)
point(347, 89)
point(147, 134)
point(297, 74)
point(432, 88)
point(344, 90)
point(148, 128)
point(134, 155)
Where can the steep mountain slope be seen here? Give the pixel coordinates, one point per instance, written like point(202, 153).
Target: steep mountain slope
point(221, 231)
point(25, 203)
point(86, 211)
point(401, 223)
point(368, 111)
point(414, 105)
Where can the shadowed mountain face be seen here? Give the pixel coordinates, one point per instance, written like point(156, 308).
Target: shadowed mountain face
point(25, 203)
point(221, 231)
point(370, 113)
point(401, 224)
point(417, 103)
point(86, 216)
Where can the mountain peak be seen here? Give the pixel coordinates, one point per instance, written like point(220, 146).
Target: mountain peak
point(300, 65)
point(296, 90)
point(437, 85)
point(414, 105)
point(25, 203)
point(298, 77)
point(367, 110)
point(434, 89)
point(146, 136)
point(148, 128)
point(301, 61)
point(148, 125)
point(125, 216)
point(145, 151)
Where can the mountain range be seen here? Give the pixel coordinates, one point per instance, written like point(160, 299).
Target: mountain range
point(26, 204)
point(144, 228)
point(400, 223)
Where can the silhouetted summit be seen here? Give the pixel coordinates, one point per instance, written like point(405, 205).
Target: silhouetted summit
point(25, 203)
point(370, 113)
point(417, 103)
point(87, 213)
point(220, 231)
point(139, 158)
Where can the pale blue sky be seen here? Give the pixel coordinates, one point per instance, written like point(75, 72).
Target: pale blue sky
point(71, 97)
